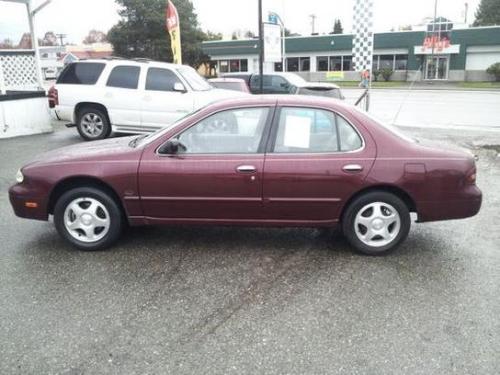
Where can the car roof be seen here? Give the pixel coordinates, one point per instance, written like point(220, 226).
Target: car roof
point(138, 62)
point(292, 100)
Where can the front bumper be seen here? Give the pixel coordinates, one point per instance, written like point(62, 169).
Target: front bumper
point(19, 195)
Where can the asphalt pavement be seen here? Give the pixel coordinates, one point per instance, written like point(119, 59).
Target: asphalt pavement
point(216, 300)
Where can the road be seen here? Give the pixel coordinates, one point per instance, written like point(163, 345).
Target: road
point(464, 110)
point(241, 300)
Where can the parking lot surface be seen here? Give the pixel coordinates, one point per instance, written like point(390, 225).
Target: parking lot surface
point(245, 300)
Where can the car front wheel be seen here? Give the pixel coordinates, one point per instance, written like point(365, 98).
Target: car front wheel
point(88, 218)
point(376, 223)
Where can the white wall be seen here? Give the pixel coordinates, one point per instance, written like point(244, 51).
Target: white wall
point(24, 117)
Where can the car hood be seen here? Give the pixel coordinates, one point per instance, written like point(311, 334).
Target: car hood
point(108, 149)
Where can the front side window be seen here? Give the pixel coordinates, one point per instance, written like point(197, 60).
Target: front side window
point(237, 131)
point(124, 76)
point(310, 130)
point(161, 79)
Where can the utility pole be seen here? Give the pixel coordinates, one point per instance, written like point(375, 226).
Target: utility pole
point(261, 50)
point(313, 23)
point(466, 11)
point(61, 38)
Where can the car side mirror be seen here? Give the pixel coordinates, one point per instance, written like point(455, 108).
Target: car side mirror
point(172, 147)
point(179, 87)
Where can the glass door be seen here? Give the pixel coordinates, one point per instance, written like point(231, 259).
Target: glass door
point(436, 67)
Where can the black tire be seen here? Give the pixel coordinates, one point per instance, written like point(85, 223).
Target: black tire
point(93, 113)
point(116, 220)
point(349, 226)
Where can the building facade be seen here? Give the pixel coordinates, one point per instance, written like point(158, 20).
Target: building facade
point(456, 55)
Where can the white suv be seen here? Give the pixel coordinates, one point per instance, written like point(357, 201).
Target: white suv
point(128, 96)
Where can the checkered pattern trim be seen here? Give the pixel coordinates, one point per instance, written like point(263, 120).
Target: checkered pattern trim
point(362, 44)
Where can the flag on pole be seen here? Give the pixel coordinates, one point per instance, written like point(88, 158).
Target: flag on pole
point(362, 44)
point(173, 27)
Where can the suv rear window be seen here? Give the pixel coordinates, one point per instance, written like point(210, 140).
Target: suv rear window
point(81, 73)
point(124, 76)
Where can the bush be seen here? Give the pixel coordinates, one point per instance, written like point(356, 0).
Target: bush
point(376, 74)
point(386, 73)
point(494, 70)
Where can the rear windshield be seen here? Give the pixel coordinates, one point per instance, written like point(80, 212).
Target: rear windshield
point(235, 86)
point(320, 91)
point(81, 73)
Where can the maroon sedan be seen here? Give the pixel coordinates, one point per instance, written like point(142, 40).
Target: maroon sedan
point(261, 160)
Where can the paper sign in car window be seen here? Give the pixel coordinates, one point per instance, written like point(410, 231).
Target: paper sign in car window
point(297, 131)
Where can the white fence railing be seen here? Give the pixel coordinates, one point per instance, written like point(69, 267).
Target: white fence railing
point(18, 70)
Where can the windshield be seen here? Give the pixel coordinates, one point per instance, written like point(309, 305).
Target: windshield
point(294, 79)
point(197, 82)
point(147, 138)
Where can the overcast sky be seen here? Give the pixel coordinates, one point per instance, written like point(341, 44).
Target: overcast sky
point(76, 17)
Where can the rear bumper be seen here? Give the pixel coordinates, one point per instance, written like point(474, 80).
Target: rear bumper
point(19, 195)
point(466, 205)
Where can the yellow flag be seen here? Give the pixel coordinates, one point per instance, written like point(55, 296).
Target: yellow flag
point(173, 27)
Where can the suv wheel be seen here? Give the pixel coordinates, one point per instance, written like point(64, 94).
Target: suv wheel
point(88, 218)
point(376, 223)
point(93, 124)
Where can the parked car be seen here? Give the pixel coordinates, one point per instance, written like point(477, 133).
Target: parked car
point(236, 84)
point(260, 161)
point(128, 96)
point(287, 83)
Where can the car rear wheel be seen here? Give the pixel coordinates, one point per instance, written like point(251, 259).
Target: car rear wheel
point(88, 218)
point(376, 223)
point(93, 124)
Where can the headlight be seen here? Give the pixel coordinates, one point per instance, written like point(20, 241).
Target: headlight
point(19, 177)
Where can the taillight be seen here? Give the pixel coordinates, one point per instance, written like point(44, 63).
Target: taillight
point(470, 178)
point(53, 97)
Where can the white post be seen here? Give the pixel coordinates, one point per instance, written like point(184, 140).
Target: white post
point(34, 44)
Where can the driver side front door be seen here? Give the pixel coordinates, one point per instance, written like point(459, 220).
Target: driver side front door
point(218, 177)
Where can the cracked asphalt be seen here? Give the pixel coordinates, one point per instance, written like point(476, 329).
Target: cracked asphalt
point(210, 300)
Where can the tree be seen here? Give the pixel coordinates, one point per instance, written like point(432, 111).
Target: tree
point(288, 32)
point(488, 13)
point(6, 44)
point(337, 27)
point(49, 39)
point(95, 36)
point(141, 32)
point(494, 70)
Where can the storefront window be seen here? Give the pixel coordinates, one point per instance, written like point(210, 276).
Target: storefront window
point(336, 63)
point(224, 66)
point(305, 64)
point(401, 62)
point(292, 64)
point(347, 63)
point(234, 65)
point(278, 67)
point(322, 63)
point(386, 62)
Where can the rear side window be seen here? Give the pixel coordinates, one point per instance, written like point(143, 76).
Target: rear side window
point(81, 73)
point(310, 130)
point(124, 76)
point(161, 79)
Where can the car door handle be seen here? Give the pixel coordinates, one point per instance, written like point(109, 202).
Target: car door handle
point(352, 168)
point(246, 169)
